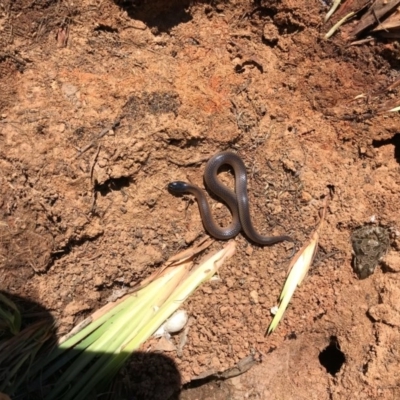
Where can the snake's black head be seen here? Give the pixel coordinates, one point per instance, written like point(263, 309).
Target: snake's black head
point(178, 187)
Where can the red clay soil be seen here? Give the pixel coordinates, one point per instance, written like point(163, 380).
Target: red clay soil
point(103, 103)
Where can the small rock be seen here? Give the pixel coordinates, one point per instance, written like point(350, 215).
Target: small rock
point(68, 89)
point(277, 209)
point(254, 296)
point(230, 282)
point(385, 313)
point(249, 250)
point(68, 321)
point(289, 165)
point(215, 363)
point(176, 321)
point(101, 175)
point(274, 310)
point(151, 201)
point(74, 307)
point(254, 264)
point(270, 34)
point(362, 150)
point(123, 209)
point(93, 230)
point(223, 310)
point(191, 236)
point(306, 197)
point(164, 345)
point(98, 281)
point(206, 290)
point(137, 24)
point(102, 162)
point(392, 261)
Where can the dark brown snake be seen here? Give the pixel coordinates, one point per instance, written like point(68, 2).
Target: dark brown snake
point(237, 201)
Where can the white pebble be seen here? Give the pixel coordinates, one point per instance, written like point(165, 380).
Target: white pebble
point(274, 310)
point(173, 324)
point(176, 322)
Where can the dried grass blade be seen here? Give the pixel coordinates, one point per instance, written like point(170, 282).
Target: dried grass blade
point(298, 269)
point(338, 25)
point(334, 7)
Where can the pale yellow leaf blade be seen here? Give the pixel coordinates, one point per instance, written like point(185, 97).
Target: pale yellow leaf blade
point(298, 269)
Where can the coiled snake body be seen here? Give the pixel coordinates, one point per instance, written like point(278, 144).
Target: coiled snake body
point(237, 201)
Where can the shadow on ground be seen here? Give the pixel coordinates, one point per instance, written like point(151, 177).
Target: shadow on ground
point(144, 376)
point(163, 15)
point(160, 15)
point(394, 140)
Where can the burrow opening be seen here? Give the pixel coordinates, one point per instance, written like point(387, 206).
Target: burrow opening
point(395, 141)
point(332, 358)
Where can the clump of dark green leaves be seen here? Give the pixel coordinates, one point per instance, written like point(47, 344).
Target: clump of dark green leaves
point(19, 346)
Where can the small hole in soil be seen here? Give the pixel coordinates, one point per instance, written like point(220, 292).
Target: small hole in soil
point(291, 336)
point(112, 184)
point(106, 28)
point(332, 358)
point(395, 141)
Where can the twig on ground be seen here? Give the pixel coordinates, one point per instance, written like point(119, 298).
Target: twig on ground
point(335, 5)
point(339, 24)
point(362, 41)
point(93, 164)
point(98, 137)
